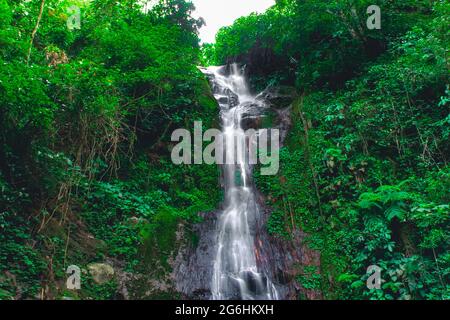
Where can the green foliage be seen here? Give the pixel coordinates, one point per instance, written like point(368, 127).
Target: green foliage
point(106, 291)
point(85, 170)
point(16, 236)
point(160, 235)
point(365, 168)
point(85, 122)
point(317, 42)
point(310, 278)
point(208, 55)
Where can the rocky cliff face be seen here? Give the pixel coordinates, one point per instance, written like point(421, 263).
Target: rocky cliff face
point(277, 258)
point(280, 259)
point(193, 269)
point(260, 61)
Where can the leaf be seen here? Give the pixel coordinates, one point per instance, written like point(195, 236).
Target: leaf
point(396, 212)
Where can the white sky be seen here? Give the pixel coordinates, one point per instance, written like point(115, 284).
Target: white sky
point(220, 13)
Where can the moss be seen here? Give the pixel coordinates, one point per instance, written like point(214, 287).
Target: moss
point(92, 290)
point(160, 236)
point(195, 239)
point(207, 101)
point(207, 104)
point(268, 121)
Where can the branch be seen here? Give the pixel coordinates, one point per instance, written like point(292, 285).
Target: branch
point(33, 34)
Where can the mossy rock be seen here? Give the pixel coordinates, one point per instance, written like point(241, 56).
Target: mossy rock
point(101, 272)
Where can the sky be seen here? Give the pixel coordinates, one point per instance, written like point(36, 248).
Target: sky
point(220, 13)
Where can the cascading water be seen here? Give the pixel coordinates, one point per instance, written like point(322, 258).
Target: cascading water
point(236, 274)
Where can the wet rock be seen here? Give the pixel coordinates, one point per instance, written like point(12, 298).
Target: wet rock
point(193, 269)
point(283, 123)
point(101, 272)
point(124, 278)
point(226, 98)
point(233, 99)
point(278, 97)
point(282, 259)
point(223, 100)
point(251, 123)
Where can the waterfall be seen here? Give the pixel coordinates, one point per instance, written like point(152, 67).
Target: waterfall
point(236, 274)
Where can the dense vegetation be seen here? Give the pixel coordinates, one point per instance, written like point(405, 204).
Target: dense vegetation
point(86, 117)
point(365, 169)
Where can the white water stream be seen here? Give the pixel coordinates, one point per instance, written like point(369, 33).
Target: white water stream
point(236, 274)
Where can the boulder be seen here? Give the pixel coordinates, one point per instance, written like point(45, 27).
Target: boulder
point(101, 272)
